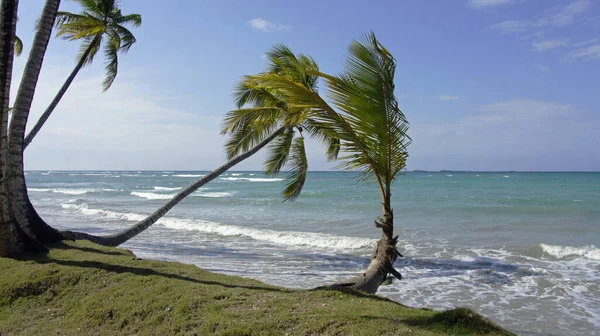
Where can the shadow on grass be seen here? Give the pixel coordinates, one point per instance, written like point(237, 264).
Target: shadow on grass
point(142, 271)
point(457, 319)
point(63, 246)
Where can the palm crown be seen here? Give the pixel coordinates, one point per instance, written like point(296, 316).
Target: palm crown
point(366, 125)
point(100, 20)
point(263, 109)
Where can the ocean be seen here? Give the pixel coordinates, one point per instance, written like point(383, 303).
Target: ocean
point(523, 249)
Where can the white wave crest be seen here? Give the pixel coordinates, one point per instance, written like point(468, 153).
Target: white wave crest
point(189, 175)
point(252, 179)
point(587, 252)
point(288, 238)
point(167, 188)
point(215, 194)
point(62, 191)
point(83, 208)
point(152, 196)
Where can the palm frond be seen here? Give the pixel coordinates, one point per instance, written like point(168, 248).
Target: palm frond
point(298, 171)
point(279, 151)
point(135, 19)
point(111, 63)
point(364, 93)
point(18, 46)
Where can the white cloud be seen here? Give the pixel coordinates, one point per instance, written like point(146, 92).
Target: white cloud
point(543, 68)
point(513, 26)
point(519, 134)
point(128, 127)
point(483, 4)
point(587, 53)
point(267, 26)
point(565, 16)
point(446, 97)
point(568, 14)
point(550, 44)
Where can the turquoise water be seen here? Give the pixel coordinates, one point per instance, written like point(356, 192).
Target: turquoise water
point(521, 248)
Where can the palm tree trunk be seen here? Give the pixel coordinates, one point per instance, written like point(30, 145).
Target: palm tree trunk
point(382, 259)
point(123, 236)
point(13, 240)
point(42, 120)
point(14, 173)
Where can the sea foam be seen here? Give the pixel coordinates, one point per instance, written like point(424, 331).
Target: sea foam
point(252, 179)
point(166, 188)
point(62, 191)
point(587, 252)
point(288, 238)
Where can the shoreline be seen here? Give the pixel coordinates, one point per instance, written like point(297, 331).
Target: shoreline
point(81, 287)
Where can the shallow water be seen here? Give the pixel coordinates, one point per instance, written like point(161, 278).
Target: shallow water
point(521, 248)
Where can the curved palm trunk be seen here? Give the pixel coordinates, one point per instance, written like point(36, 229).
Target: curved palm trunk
point(123, 236)
point(382, 259)
point(42, 120)
point(13, 240)
point(14, 173)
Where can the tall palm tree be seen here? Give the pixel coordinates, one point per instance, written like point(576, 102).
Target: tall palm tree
point(101, 20)
point(372, 134)
point(16, 207)
point(13, 240)
point(270, 119)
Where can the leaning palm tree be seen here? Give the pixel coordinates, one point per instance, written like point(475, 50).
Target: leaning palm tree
point(264, 116)
point(372, 134)
point(101, 20)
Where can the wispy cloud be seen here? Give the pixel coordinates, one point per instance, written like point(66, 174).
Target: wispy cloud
point(550, 44)
point(266, 26)
point(588, 53)
point(564, 16)
point(446, 97)
point(511, 134)
point(543, 68)
point(483, 4)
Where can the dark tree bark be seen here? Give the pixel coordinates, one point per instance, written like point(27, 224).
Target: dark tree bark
point(14, 176)
point(13, 241)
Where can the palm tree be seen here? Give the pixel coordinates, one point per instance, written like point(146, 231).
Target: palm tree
point(17, 232)
point(270, 119)
point(372, 134)
point(100, 20)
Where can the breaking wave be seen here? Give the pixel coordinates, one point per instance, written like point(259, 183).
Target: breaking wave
point(63, 191)
point(252, 179)
point(587, 252)
point(288, 238)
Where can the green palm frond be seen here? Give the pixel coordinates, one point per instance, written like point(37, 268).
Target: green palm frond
point(18, 46)
point(100, 21)
point(298, 171)
point(376, 140)
point(135, 19)
point(279, 152)
point(112, 61)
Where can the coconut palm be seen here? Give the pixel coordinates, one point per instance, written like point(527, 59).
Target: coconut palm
point(372, 134)
point(263, 117)
point(18, 216)
point(100, 21)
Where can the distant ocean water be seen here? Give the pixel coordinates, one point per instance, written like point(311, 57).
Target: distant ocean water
point(521, 248)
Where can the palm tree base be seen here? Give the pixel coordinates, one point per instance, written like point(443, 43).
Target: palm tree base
point(377, 272)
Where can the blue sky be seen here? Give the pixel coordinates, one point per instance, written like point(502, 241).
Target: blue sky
point(486, 84)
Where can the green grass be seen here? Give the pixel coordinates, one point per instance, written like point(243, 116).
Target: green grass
point(86, 289)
